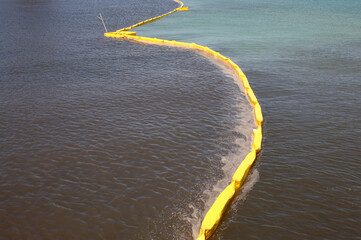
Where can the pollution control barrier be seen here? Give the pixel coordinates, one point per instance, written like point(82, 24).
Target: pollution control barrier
point(215, 213)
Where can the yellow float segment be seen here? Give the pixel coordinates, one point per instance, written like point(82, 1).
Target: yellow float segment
point(251, 96)
point(215, 213)
point(245, 82)
point(241, 173)
point(257, 139)
point(183, 9)
point(258, 114)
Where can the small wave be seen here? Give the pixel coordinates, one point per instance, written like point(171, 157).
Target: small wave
point(240, 147)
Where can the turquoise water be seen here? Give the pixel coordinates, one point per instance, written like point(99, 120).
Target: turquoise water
point(264, 30)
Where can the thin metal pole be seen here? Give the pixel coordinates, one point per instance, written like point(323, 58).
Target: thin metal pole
point(101, 18)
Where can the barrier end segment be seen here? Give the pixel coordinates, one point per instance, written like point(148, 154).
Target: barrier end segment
point(201, 237)
point(120, 34)
point(183, 9)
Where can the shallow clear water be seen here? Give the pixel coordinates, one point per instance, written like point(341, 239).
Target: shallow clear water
point(108, 139)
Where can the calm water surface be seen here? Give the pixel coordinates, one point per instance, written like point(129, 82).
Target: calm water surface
point(303, 60)
point(107, 139)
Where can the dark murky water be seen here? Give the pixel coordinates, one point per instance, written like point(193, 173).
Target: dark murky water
point(107, 139)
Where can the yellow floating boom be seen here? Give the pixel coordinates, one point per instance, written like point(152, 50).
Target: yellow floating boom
point(215, 213)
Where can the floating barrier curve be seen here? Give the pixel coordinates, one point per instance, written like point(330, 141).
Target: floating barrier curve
point(215, 213)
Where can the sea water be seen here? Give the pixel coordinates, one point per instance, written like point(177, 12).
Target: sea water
point(303, 61)
point(109, 139)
